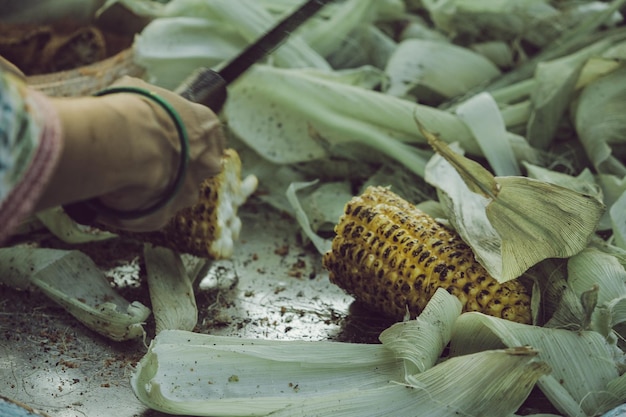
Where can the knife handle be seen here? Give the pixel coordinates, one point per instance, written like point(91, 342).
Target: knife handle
point(204, 86)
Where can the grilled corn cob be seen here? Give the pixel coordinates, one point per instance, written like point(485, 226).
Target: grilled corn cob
point(209, 228)
point(393, 257)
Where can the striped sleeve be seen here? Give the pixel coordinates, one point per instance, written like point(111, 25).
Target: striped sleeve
point(30, 143)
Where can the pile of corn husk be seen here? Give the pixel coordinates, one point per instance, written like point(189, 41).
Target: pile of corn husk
point(503, 119)
point(396, 93)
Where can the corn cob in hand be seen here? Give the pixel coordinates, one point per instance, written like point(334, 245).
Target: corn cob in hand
point(209, 228)
point(393, 257)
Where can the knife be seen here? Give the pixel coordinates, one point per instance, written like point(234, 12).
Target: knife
point(208, 87)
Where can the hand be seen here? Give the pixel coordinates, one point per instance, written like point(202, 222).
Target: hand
point(206, 147)
point(123, 148)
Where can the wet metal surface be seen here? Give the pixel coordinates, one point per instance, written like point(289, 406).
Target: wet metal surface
point(273, 288)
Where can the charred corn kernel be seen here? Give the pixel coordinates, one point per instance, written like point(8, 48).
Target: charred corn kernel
point(209, 228)
point(392, 257)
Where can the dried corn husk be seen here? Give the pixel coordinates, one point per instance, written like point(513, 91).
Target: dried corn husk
point(71, 279)
point(512, 222)
point(171, 291)
point(441, 68)
point(585, 377)
point(228, 376)
point(599, 121)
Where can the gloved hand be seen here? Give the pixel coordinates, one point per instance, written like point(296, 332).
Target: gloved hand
point(123, 148)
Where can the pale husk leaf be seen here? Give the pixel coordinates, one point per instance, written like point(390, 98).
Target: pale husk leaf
point(482, 116)
point(266, 110)
point(583, 183)
point(170, 48)
point(230, 376)
point(605, 188)
point(593, 267)
point(324, 35)
point(511, 223)
point(66, 229)
point(171, 292)
point(530, 19)
point(441, 67)
point(322, 245)
point(71, 279)
point(583, 363)
point(492, 383)
point(188, 34)
point(553, 92)
point(498, 52)
point(367, 45)
point(420, 342)
point(538, 220)
point(203, 375)
point(613, 187)
point(555, 304)
point(618, 221)
point(325, 204)
point(599, 121)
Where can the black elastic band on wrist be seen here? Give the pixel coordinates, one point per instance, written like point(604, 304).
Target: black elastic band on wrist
point(176, 185)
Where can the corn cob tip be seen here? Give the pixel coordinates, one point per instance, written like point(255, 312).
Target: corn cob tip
point(393, 257)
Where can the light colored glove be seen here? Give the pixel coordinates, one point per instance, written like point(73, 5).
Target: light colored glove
point(123, 148)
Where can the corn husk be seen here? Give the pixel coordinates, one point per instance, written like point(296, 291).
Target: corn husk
point(483, 117)
point(500, 380)
point(230, 376)
point(71, 279)
point(265, 111)
point(323, 206)
point(599, 121)
point(63, 227)
point(511, 223)
point(421, 342)
point(554, 90)
point(171, 290)
point(613, 187)
point(607, 188)
point(322, 34)
point(203, 375)
point(583, 183)
point(531, 19)
point(190, 34)
point(439, 67)
point(584, 378)
point(618, 221)
point(616, 412)
point(593, 268)
point(498, 52)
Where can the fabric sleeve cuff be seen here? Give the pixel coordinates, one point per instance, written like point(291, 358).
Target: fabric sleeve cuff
point(22, 199)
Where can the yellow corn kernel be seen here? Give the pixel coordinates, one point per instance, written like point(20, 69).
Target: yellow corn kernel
point(392, 257)
point(209, 228)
